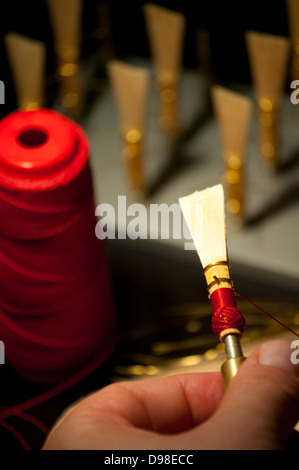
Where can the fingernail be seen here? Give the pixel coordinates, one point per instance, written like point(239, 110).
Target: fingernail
point(278, 353)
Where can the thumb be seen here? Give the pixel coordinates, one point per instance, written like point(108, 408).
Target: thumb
point(261, 405)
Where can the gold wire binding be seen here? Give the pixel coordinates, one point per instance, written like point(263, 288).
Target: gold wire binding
point(218, 280)
point(219, 263)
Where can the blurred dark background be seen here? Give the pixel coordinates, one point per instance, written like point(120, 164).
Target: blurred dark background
point(120, 26)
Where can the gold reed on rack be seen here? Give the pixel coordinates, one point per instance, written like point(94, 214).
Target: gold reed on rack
point(130, 86)
point(233, 113)
point(66, 19)
point(293, 20)
point(166, 30)
point(27, 59)
point(268, 57)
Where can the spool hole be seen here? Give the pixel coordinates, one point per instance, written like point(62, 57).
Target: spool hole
point(33, 138)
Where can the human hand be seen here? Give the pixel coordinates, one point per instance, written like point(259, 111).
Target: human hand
point(190, 411)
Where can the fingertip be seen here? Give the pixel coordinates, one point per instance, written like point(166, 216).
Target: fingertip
point(261, 405)
point(276, 353)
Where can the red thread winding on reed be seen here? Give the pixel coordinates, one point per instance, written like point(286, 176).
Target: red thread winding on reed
point(226, 314)
point(56, 307)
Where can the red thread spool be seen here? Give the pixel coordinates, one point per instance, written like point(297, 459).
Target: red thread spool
point(56, 306)
point(226, 314)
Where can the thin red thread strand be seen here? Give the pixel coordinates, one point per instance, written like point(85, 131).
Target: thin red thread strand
point(31, 419)
point(16, 434)
point(74, 380)
point(266, 313)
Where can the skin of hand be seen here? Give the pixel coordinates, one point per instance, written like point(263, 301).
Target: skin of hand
point(258, 411)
